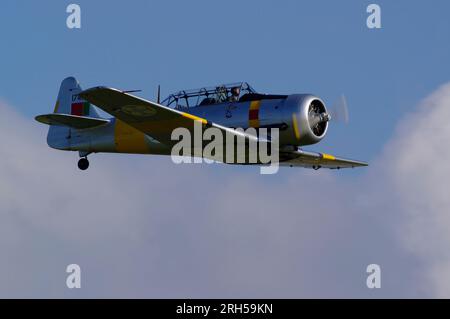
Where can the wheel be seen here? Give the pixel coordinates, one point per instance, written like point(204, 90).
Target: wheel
point(83, 164)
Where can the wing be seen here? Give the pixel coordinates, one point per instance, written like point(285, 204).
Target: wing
point(318, 160)
point(151, 118)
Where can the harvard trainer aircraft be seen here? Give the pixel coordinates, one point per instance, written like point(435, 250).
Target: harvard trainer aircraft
point(139, 126)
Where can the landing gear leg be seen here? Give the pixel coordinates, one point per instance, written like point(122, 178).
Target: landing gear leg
point(83, 163)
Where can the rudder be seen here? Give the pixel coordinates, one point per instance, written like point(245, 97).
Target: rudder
point(68, 102)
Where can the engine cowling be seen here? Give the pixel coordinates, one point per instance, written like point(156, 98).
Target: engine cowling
point(309, 118)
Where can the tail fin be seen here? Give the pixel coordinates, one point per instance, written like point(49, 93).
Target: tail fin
point(68, 103)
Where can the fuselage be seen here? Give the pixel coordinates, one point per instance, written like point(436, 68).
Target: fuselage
point(290, 114)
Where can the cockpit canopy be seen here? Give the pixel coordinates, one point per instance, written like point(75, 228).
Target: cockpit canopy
point(209, 95)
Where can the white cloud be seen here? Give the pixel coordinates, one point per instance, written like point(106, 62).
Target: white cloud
point(142, 226)
point(420, 177)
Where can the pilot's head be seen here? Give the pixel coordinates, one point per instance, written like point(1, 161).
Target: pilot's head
point(236, 91)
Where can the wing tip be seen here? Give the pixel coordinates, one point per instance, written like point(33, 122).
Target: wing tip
point(353, 163)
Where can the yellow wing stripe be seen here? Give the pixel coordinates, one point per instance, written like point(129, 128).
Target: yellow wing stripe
point(195, 118)
point(328, 157)
point(296, 130)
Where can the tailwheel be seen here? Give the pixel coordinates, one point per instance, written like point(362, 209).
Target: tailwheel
point(83, 164)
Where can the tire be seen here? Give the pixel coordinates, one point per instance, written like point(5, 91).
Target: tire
point(83, 164)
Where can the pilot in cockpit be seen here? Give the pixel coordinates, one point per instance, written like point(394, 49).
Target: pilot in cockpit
point(235, 92)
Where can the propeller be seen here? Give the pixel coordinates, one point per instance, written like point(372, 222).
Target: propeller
point(318, 116)
point(339, 110)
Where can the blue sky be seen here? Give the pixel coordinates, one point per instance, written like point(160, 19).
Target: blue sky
point(323, 47)
point(142, 226)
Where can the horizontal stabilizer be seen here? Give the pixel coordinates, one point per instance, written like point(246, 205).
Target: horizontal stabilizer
point(73, 121)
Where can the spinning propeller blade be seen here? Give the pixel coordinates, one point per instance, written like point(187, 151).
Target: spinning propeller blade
point(339, 110)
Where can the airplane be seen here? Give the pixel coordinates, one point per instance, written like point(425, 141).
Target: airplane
point(140, 126)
